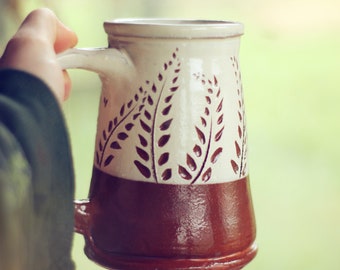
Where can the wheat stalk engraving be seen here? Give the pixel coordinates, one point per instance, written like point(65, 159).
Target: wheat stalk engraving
point(111, 130)
point(199, 162)
point(156, 121)
point(239, 164)
point(150, 111)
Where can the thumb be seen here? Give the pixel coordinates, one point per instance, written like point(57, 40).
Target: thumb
point(65, 38)
point(44, 23)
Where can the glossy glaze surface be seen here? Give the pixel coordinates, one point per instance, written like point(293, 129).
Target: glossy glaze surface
point(137, 225)
point(170, 185)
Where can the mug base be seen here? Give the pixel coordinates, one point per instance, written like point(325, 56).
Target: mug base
point(114, 261)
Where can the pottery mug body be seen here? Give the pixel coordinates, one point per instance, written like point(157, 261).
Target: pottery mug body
point(170, 183)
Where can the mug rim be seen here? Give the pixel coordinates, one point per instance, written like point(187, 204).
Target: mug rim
point(173, 28)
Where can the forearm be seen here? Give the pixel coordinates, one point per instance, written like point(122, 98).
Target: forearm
point(34, 124)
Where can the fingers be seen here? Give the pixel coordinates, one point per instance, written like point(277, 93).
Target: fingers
point(34, 47)
point(44, 24)
point(67, 85)
point(65, 38)
point(47, 26)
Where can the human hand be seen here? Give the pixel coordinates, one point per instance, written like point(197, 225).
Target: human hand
point(34, 48)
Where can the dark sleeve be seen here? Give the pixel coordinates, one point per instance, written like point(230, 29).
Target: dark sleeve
point(36, 169)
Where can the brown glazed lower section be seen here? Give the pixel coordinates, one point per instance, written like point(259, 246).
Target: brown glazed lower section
point(138, 225)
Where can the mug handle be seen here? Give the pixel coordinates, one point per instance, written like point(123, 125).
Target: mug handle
point(103, 61)
point(82, 210)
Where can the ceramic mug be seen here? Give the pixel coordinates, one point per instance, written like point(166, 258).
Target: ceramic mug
point(170, 186)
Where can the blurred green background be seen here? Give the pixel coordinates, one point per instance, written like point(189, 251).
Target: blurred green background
point(290, 62)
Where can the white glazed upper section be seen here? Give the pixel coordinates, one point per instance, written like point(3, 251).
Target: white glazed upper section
point(173, 28)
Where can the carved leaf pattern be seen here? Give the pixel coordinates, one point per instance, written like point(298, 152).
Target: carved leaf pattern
point(156, 120)
point(198, 165)
point(200, 135)
point(150, 109)
point(216, 155)
point(167, 174)
point(218, 135)
point(191, 163)
point(116, 131)
point(207, 175)
point(239, 165)
point(142, 154)
point(163, 140)
point(108, 160)
point(144, 170)
point(184, 173)
point(164, 158)
point(165, 125)
point(197, 150)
